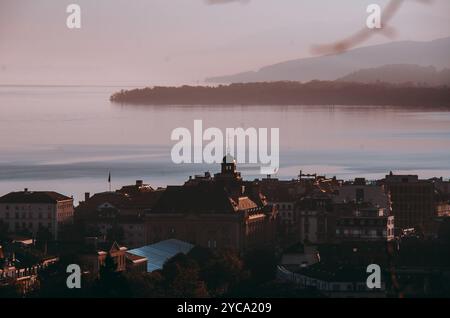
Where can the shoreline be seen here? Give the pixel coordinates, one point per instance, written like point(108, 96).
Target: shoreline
point(315, 93)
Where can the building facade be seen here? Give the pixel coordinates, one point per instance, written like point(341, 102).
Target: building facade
point(411, 200)
point(119, 215)
point(360, 191)
point(32, 211)
point(316, 220)
point(369, 224)
point(217, 213)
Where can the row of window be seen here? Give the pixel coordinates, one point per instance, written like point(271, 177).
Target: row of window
point(361, 222)
point(284, 206)
point(373, 233)
point(28, 226)
point(29, 215)
point(334, 287)
point(23, 207)
point(286, 214)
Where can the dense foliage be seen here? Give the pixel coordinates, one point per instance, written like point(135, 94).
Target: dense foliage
point(290, 93)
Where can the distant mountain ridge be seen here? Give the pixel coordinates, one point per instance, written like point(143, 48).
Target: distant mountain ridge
point(400, 74)
point(331, 67)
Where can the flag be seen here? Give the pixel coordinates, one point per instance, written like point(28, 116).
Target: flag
point(109, 177)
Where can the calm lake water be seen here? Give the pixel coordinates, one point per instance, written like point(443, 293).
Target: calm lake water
point(67, 139)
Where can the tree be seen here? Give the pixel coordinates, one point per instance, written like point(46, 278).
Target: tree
point(262, 264)
point(145, 285)
point(444, 230)
point(73, 232)
point(111, 283)
point(9, 291)
point(115, 234)
point(3, 231)
point(223, 271)
point(43, 235)
point(53, 282)
point(181, 278)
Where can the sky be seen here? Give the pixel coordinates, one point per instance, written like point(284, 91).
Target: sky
point(174, 42)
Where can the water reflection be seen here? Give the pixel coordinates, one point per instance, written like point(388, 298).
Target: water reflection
point(67, 138)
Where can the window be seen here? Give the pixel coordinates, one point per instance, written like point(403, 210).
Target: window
point(359, 195)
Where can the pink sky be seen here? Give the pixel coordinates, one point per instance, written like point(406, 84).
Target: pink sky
point(152, 42)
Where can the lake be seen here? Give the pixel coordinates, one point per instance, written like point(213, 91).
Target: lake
point(68, 139)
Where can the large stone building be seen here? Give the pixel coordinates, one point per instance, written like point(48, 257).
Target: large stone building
point(220, 212)
point(361, 191)
point(368, 224)
point(119, 215)
point(412, 200)
point(31, 211)
point(316, 220)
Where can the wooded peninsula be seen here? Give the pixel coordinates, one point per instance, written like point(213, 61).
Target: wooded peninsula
point(290, 93)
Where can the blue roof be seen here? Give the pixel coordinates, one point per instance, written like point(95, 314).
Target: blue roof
point(157, 254)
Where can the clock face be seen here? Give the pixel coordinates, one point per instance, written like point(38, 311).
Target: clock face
point(224, 148)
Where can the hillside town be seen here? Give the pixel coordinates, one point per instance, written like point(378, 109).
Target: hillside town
point(220, 235)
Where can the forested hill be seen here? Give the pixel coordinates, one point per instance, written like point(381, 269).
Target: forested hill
point(289, 93)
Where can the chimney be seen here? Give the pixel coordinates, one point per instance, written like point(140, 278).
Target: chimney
point(139, 183)
point(87, 195)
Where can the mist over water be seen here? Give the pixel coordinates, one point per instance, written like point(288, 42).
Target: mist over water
point(67, 139)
